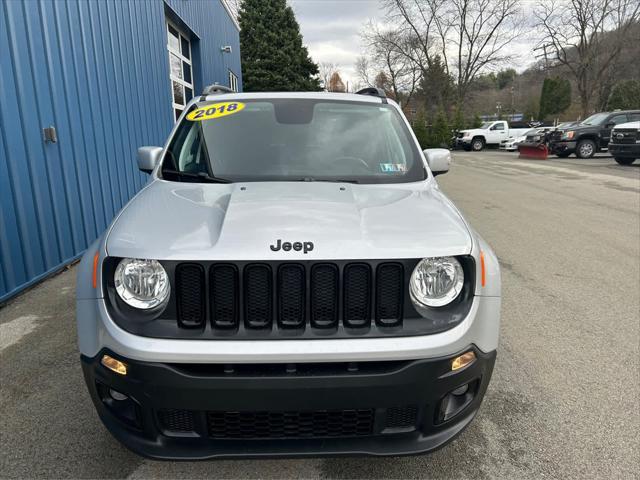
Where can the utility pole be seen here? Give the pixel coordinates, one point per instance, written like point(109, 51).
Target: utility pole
point(543, 47)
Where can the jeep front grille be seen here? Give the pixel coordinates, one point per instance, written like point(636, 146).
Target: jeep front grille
point(290, 296)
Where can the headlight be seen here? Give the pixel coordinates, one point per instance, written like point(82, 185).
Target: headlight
point(568, 135)
point(436, 282)
point(141, 284)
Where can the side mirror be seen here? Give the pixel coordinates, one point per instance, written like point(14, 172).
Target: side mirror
point(148, 158)
point(610, 125)
point(438, 159)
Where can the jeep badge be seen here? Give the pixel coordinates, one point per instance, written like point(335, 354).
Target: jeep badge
point(306, 247)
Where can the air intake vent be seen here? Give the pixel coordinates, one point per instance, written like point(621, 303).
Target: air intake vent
point(357, 295)
point(291, 296)
point(309, 424)
point(179, 421)
point(224, 296)
point(389, 294)
point(258, 296)
point(190, 295)
point(324, 295)
point(402, 417)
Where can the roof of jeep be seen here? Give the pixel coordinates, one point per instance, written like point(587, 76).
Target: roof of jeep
point(346, 97)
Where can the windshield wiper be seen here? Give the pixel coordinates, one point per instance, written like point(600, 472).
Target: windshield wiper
point(332, 180)
point(201, 176)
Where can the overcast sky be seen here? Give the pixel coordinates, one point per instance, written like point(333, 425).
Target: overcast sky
point(331, 32)
point(330, 29)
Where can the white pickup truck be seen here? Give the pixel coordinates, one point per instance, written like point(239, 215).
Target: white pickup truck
point(489, 133)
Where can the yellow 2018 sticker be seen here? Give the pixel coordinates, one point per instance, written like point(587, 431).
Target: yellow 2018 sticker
point(215, 110)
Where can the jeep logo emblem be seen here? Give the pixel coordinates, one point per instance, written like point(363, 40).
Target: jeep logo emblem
point(305, 247)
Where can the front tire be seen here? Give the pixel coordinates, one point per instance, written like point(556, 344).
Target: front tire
point(624, 161)
point(586, 149)
point(477, 144)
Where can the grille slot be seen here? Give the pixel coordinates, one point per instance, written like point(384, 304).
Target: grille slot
point(357, 295)
point(389, 294)
point(258, 295)
point(179, 421)
point(224, 296)
point(291, 296)
point(324, 295)
point(292, 424)
point(190, 295)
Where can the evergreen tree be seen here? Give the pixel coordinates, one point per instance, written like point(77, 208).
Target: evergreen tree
point(420, 129)
point(458, 119)
point(555, 97)
point(625, 95)
point(273, 57)
point(477, 121)
point(440, 132)
point(436, 87)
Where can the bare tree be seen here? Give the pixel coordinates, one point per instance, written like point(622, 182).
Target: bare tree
point(327, 69)
point(469, 35)
point(363, 71)
point(574, 33)
point(336, 84)
point(387, 59)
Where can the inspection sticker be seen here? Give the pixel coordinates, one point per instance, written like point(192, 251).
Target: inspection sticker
point(393, 167)
point(215, 110)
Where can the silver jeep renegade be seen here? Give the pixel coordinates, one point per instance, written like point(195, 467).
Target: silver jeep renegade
point(291, 281)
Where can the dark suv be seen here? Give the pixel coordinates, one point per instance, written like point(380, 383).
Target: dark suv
point(590, 135)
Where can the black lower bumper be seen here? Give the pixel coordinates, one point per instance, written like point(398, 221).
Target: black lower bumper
point(562, 147)
point(621, 150)
point(185, 411)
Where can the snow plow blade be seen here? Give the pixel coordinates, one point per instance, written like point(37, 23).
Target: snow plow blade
point(533, 151)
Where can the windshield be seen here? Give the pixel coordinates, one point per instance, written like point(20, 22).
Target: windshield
point(485, 125)
point(596, 119)
point(293, 140)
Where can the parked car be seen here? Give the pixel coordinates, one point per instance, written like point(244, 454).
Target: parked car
point(511, 144)
point(589, 136)
point(306, 289)
point(624, 144)
point(489, 134)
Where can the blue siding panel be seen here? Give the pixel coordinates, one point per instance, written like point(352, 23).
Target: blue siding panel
point(97, 70)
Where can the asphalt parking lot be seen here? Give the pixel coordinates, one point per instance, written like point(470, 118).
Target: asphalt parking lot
point(565, 395)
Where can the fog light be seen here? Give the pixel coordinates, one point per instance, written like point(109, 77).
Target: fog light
point(463, 360)
point(460, 390)
point(114, 365)
point(116, 395)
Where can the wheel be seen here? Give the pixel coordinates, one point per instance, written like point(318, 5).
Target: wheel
point(586, 149)
point(563, 154)
point(624, 161)
point(477, 144)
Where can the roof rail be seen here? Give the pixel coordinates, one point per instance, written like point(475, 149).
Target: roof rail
point(216, 89)
point(374, 92)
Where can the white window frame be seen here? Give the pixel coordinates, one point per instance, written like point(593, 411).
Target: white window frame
point(233, 81)
point(172, 78)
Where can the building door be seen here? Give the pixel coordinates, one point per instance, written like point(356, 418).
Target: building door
point(180, 68)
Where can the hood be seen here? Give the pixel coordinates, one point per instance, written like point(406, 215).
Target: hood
point(241, 221)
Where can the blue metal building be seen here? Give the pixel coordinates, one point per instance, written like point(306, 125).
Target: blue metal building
point(107, 76)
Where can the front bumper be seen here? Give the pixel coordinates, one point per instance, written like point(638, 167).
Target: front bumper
point(198, 411)
point(628, 150)
point(563, 147)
